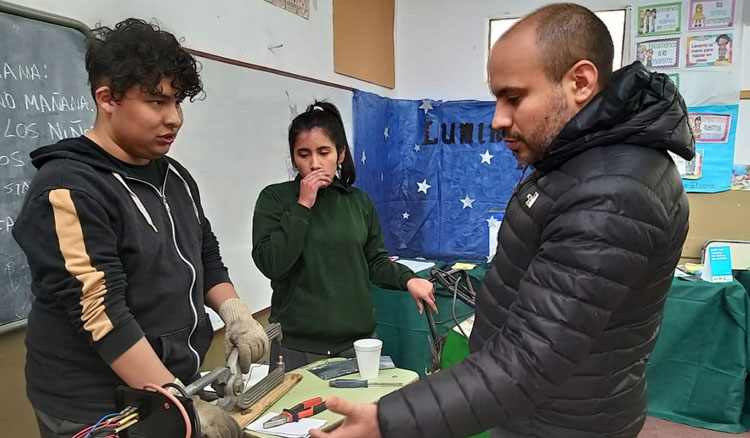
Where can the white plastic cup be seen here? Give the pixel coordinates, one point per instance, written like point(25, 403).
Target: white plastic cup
point(368, 357)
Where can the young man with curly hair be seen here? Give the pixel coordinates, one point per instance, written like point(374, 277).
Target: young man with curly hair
point(122, 257)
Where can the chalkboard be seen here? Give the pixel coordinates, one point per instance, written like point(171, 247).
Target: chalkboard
point(44, 97)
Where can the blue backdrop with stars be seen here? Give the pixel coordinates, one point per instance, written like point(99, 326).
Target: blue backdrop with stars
point(437, 173)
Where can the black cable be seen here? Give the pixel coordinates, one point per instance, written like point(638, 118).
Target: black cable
point(177, 387)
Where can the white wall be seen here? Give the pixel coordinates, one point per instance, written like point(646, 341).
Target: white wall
point(442, 48)
point(239, 29)
point(442, 45)
point(742, 145)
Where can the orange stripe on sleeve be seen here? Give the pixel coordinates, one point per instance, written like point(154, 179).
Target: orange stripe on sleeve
point(78, 263)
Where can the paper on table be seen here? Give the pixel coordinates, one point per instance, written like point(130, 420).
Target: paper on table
point(466, 325)
point(291, 430)
point(415, 265)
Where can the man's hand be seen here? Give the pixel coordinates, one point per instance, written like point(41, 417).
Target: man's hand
point(243, 332)
point(421, 289)
point(361, 420)
point(215, 422)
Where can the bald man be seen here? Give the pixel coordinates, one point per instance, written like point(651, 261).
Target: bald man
point(570, 308)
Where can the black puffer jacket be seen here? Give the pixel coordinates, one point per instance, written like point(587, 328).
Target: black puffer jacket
point(571, 306)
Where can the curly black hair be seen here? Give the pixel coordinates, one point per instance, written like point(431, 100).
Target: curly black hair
point(139, 53)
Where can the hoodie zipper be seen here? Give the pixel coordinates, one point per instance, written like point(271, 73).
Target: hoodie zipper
point(162, 195)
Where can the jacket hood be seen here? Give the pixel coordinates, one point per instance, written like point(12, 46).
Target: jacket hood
point(79, 149)
point(637, 107)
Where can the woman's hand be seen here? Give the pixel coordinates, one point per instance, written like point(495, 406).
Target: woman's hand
point(422, 290)
point(309, 186)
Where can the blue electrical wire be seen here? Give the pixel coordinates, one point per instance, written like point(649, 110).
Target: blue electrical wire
point(99, 422)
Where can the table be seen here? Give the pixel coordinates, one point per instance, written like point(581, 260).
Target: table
point(697, 372)
point(312, 386)
point(406, 333)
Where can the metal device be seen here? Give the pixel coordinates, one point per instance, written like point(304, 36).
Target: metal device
point(228, 384)
point(157, 417)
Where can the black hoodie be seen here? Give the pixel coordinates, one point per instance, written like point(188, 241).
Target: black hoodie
point(112, 258)
point(570, 308)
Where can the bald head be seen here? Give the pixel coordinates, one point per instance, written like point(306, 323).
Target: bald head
point(565, 34)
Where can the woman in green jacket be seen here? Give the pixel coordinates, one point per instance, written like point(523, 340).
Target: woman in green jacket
point(318, 240)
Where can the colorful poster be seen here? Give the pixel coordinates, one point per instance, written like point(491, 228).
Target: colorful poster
point(675, 77)
point(659, 19)
point(659, 54)
point(709, 50)
point(303, 8)
point(741, 177)
point(710, 128)
point(711, 14)
point(291, 6)
point(692, 169)
point(714, 128)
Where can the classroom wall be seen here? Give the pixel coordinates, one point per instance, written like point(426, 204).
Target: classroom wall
point(239, 29)
point(442, 48)
point(742, 152)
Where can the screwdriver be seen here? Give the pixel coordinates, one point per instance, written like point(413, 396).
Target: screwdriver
point(356, 383)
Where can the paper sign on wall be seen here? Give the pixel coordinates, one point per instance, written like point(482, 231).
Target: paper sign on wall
point(659, 19)
point(741, 177)
point(659, 54)
point(675, 77)
point(714, 128)
point(709, 50)
point(710, 128)
point(711, 14)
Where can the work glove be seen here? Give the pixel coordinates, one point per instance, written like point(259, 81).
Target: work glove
point(215, 422)
point(243, 332)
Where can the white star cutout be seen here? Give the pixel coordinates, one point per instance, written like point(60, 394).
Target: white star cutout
point(385, 133)
point(364, 157)
point(486, 157)
point(426, 105)
point(423, 186)
point(405, 215)
point(417, 148)
point(467, 202)
point(492, 222)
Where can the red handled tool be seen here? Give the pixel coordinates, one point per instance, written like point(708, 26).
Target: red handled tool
point(303, 410)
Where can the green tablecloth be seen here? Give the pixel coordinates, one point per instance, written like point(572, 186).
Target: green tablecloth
point(406, 333)
point(697, 372)
point(744, 278)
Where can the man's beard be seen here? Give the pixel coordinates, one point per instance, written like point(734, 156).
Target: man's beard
point(538, 142)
